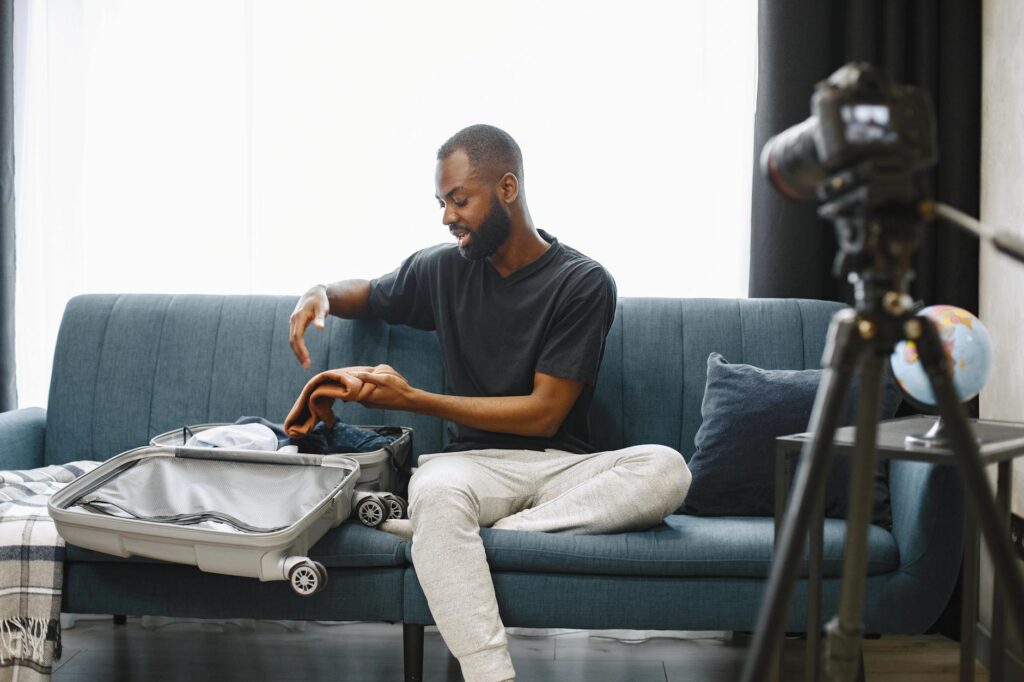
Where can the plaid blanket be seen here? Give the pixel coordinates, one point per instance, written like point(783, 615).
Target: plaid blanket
point(31, 570)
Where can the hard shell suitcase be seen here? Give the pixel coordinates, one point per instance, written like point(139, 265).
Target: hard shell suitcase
point(378, 470)
point(250, 514)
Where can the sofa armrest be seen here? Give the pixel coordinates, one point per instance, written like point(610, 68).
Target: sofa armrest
point(928, 525)
point(22, 438)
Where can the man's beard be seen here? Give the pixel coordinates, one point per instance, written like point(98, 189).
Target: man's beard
point(491, 234)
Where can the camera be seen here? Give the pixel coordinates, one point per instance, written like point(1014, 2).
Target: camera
point(859, 118)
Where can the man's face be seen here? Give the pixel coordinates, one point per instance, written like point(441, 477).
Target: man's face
point(472, 211)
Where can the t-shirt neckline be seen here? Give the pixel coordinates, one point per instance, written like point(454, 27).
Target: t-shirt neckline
point(531, 267)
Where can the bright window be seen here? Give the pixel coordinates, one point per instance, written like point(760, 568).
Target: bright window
point(258, 146)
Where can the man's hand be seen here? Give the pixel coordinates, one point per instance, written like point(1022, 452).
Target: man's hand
point(312, 307)
point(391, 392)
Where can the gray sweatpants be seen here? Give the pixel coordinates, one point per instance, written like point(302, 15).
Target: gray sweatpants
point(453, 495)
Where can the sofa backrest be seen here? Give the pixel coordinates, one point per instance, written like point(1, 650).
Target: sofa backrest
point(655, 365)
point(128, 367)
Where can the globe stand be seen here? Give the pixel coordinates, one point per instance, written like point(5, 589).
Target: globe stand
point(878, 221)
point(935, 437)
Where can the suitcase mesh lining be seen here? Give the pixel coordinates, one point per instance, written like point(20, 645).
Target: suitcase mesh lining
point(236, 496)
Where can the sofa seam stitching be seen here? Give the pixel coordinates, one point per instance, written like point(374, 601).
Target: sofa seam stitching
point(803, 332)
point(95, 386)
point(527, 550)
point(622, 379)
point(739, 315)
point(213, 359)
point(270, 356)
point(682, 378)
point(156, 364)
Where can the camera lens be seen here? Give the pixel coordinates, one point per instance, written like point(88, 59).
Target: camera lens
point(790, 161)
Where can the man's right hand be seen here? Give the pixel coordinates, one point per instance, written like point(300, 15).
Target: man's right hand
point(313, 307)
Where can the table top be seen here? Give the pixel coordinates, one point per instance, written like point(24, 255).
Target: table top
point(999, 440)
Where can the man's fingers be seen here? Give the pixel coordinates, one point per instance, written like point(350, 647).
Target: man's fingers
point(303, 354)
point(365, 391)
point(312, 307)
point(377, 379)
point(367, 377)
point(298, 330)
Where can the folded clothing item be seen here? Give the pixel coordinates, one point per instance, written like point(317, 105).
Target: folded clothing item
point(282, 438)
point(257, 433)
point(341, 438)
point(249, 436)
point(318, 395)
point(327, 440)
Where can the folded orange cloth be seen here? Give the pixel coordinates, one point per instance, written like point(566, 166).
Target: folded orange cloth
point(317, 398)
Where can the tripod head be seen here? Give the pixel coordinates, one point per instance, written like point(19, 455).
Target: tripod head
point(860, 154)
point(878, 229)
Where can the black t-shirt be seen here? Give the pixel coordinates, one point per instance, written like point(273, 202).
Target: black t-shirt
point(551, 316)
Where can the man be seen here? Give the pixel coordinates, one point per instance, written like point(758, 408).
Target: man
point(521, 320)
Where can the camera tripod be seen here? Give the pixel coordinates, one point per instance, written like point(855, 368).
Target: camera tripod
point(878, 237)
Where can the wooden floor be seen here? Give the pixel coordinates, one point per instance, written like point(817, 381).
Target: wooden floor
point(371, 652)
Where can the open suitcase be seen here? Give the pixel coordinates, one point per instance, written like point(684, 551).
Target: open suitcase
point(378, 470)
point(244, 513)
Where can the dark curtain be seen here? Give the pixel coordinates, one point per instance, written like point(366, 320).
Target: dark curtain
point(8, 388)
point(931, 43)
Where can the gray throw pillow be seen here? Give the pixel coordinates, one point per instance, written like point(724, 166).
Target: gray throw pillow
point(744, 410)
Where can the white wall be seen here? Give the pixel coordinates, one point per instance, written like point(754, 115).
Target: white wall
point(1002, 203)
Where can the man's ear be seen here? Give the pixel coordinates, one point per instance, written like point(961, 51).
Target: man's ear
point(508, 188)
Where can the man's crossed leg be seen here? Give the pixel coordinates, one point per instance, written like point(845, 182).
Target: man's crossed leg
point(453, 495)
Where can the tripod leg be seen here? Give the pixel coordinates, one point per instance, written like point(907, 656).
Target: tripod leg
point(846, 631)
point(812, 656)
point(996, 659)
point(969, 596)
point(842, 351)
point(965, 449)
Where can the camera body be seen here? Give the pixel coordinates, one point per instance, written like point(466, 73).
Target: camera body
point(858, 118)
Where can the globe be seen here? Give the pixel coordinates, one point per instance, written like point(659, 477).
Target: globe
point(968, 346)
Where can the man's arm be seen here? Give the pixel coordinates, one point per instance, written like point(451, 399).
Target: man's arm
point(349, 298)
point(540, 413)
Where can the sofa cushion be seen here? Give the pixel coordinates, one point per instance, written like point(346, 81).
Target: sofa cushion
point(681, 546)
point(745, 409)
point(350, 545)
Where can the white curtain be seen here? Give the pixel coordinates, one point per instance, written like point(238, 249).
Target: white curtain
point(257, 146)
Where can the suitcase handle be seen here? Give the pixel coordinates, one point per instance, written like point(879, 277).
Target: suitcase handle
point(226, 455)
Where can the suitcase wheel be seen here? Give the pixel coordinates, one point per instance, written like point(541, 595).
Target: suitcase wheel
point(371, 511)
point(397, 507)
point(308, 578)
point(323, 575)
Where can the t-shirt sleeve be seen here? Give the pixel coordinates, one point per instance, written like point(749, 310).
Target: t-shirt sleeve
point(405, 296)
point(575, 340)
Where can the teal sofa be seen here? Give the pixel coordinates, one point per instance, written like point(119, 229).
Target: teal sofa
point(127, 367)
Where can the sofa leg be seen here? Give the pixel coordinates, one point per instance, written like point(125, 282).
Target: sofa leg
point(412, 638)
point(120, 619)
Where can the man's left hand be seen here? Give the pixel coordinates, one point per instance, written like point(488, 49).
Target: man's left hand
point(392, 391)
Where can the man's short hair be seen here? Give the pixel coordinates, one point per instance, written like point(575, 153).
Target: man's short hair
point(488, 148)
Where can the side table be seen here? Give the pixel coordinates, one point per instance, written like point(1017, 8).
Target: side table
point(1000, 443)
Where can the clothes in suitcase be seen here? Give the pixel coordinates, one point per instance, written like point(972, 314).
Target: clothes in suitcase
point(244, 513)
point(380, 470)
